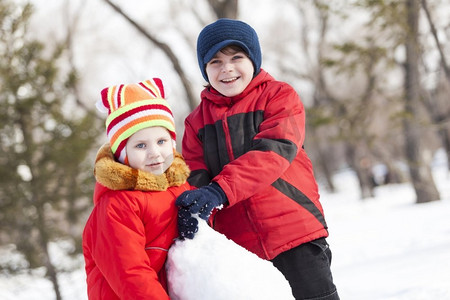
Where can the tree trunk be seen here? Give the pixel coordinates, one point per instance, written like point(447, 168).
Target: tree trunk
point(44, 241)
point(52, 274)
point(225, 8)
point(362, 168)
point(445, 137)
point(420, 171)
point(326, 170)
point(393, 174)
point(321, 157)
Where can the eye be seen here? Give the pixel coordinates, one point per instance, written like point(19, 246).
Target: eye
point(214, 61)
point(162, 141)
point(140, 146)
point(238, 56)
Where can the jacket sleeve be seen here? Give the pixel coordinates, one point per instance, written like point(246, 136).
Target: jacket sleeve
point(192, 149)
point(277, 143)
point(119, 248)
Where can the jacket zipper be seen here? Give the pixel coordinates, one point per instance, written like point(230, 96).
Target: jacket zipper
point(227, 134)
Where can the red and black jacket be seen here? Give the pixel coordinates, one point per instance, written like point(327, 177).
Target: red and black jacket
point(251, 145)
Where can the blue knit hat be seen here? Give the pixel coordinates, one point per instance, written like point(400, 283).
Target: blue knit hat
point(223, 33)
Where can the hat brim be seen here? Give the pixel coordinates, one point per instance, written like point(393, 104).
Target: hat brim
point(217, 47)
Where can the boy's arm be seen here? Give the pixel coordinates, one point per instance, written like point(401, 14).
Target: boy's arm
point(280, 138)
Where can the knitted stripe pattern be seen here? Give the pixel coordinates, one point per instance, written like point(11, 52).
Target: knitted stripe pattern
point(132, 107)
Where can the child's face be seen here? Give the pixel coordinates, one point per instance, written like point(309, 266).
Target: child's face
point(230, 73)
point(151, 150)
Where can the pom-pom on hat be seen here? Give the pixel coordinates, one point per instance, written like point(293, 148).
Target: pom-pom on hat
point(223, 33)
point(132, 107)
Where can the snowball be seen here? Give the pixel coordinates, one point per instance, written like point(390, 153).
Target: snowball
point(210, 266)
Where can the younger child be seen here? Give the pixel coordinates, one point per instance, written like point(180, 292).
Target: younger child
point(244, 145)
point(139, 175)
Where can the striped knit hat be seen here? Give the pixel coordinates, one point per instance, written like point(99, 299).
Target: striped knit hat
point(132, 107)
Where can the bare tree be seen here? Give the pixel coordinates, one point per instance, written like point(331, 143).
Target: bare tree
point(444, 64)
point(166, 50)
point(72, 23)
point(419, 169)
point(345, 120)
point(322, 97)
point(441, 117)
point(318, 141)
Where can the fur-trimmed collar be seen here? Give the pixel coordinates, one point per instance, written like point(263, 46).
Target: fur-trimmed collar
point(116, 176)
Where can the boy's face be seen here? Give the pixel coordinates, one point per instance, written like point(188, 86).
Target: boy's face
point(151, 150)
point(230, 73)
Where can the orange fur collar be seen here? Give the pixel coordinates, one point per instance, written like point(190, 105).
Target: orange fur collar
point(116, 176)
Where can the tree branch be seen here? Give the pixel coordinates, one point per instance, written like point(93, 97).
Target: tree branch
point(166, 49)
point(436, 38)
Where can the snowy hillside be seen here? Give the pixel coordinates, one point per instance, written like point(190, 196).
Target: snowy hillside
point(384, 248)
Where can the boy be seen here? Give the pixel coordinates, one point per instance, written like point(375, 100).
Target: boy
point(139, 175)
point(243, 144)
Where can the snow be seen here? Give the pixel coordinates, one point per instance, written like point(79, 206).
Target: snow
point(384, 248)
point(388, 247)
point(228, 271)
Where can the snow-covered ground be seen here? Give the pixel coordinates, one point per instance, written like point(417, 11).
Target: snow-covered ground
point(387, 247)
point(384, 248)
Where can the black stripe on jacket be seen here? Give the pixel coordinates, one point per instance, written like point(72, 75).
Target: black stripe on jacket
point(295, 194)
point(242, 128)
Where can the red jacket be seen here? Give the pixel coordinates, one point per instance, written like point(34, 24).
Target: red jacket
point(132, 226)
point(251, 145)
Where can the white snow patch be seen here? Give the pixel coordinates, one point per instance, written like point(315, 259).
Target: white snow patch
point(210, 266)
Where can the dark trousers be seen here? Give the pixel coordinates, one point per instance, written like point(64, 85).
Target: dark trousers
point(307, 269)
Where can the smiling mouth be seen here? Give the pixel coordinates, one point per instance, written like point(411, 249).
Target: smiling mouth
point(229, 80)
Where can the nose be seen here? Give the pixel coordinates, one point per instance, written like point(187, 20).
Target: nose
point(227, 67)
point(152, 152)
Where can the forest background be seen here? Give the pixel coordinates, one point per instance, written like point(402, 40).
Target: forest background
point(374, 77)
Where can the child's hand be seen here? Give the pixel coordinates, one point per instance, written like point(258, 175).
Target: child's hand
point(202, 200)
point(187, 224)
